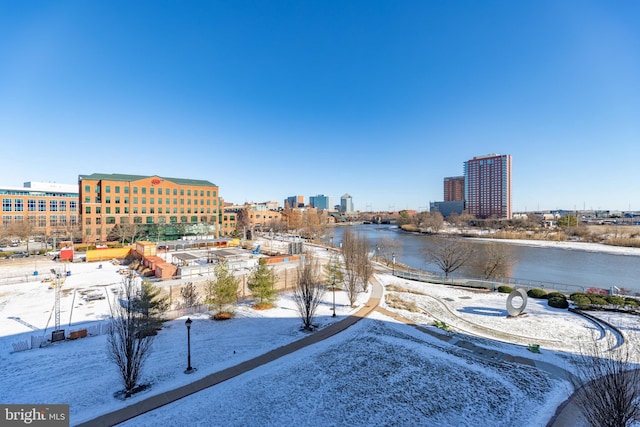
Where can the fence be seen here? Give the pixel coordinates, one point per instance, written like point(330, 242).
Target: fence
point(37, 341)
point(424, 276)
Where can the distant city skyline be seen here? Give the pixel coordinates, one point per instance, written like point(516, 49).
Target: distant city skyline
point(381, 99)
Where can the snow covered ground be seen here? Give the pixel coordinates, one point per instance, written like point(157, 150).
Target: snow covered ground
point(378, 372)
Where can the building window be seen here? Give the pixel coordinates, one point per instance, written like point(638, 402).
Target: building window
point(42, 205)
point(6, 205)
point(126, 190)
point(151, 190)
point(117, 189)
point(144, 190)
point(62, 206)
point(149, 220)
point(73, 206)
point(31, 205)
point(42, 221)
point(18, 205)
point(53, 220)
point(107, 189)
point(135, 190)
point(87, 189)
point(53, 206)
point(87, 209)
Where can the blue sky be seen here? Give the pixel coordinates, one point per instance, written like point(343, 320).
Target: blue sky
point(378, 99)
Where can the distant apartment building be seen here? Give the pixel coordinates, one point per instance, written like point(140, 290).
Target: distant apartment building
point(454, 189)
point(41, 209)
point(488, 186)
point(346, 203)
point(320, 202)
point(154, 207)
point(259, 216)
point(294, 201)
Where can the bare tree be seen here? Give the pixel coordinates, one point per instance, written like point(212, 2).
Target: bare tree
point(431, 222)
point(493, 261)
point(308, 290)
point(357, 264)
point(364, 265)
point(449, 254)
point(608, 384)
point(348, 249)
point(387, 248)
point(127, 344)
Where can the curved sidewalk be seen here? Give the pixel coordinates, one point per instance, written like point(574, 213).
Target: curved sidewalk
point(154, 402)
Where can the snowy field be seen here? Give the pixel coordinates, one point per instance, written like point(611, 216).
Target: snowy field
point(378, 372)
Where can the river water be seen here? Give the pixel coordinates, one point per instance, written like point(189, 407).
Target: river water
point(534, 265)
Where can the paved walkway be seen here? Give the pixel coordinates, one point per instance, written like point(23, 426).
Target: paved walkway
point(154, 402)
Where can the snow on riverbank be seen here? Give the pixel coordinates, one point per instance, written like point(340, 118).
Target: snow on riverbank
point(580, 246)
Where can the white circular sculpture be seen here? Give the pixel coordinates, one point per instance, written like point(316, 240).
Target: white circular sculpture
point(515, 311)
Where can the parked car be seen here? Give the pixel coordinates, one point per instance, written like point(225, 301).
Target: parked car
point(19, 255)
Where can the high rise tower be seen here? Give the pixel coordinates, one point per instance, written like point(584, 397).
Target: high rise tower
point(488, 186)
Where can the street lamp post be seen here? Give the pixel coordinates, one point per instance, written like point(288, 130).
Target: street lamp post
point(393, 258)
point(333, 286)
point(189, 368)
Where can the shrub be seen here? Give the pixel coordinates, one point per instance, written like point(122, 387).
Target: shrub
point(631, 302)
point(442, 325)
point(537, 293)
point(581, 301)
point(505, 289)
point(577, 294)
point(558, 302)
point(597, 300)
point(615, 300)
point(556, 295)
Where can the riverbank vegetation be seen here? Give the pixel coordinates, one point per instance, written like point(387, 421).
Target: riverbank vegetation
point(531, 227)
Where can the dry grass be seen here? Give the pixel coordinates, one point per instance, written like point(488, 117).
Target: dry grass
point(262, 306)
point(394, 301)
point(222, 316)
point(396, 288)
